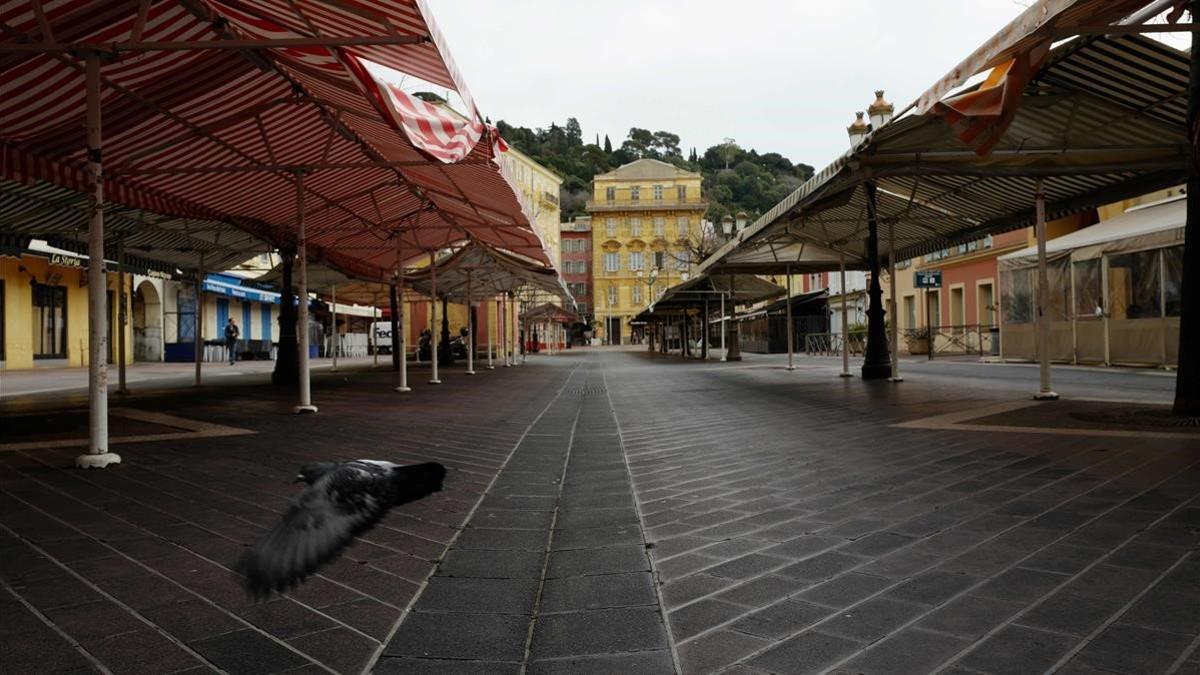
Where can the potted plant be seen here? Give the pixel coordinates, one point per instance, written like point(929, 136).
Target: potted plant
point(917, 340)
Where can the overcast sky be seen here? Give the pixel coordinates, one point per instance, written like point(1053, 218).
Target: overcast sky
point(776, 75)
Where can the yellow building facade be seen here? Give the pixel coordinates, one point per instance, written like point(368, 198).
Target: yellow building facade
point(539, 188)
point(642, 215)
point(44, 312)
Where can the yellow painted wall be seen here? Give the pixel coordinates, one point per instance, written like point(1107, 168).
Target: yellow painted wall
point(613, 231)
point(18, 310)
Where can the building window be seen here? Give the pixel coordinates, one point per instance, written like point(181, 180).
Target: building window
point(610, 194)
point(658, 193)
point(610, 227)
point(635, 193)
point(49, 322)
point(612, 296)
point(681, 192)
point(612, 262)
point(583, 244)
point(681, 224)
point(636, 260)
point(635, 226)
point(683, 260)
point(637, 295)
point(660, 259)
point(660, 226)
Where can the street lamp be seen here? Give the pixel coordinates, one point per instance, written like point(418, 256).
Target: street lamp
point(727, 226)
point(741, 220)
point(880, 111)
point(858, 130)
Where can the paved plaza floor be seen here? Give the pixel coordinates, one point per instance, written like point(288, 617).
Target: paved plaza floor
point(614, 511)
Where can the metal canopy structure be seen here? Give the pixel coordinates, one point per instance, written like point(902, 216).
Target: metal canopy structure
point(212, 109)
point(549, 312)
point(739, 289)
point(1103, 120)
point(151, 241)
point(322, 279)
point(485, 272)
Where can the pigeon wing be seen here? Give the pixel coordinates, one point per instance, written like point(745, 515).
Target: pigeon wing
point(317, 525)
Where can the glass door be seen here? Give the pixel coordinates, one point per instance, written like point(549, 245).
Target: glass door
point(49, 322)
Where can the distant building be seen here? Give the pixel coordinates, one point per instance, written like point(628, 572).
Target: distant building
point(640, 214)
point(576, 240)
point(539, 188)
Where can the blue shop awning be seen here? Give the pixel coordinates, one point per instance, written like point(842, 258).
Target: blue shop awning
point(222, 287)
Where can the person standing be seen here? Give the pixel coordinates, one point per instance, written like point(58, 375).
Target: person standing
point(231, 337)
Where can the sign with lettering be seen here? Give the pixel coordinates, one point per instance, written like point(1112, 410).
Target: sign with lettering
point(927, 279)
point(62, 260)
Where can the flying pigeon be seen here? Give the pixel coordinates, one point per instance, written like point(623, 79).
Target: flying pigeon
point(341, 501)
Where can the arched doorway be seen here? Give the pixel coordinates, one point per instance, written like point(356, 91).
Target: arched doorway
point(147, 323)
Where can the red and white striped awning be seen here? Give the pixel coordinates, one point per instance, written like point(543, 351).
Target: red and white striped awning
point(194, 128)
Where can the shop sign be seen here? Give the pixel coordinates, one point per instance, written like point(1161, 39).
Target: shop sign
point(927, 279)
point(63, 260)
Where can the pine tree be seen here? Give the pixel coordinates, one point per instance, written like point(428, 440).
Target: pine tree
point(607, 145)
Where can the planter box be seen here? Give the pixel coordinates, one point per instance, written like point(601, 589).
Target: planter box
point(918, 346)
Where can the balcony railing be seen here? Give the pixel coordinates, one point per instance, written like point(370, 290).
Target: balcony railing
point(606, 204)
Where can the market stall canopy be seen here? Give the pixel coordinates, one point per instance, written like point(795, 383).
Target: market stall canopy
point(491, 272)
point(550, 312)
point(323, 279)
point(737, 289)
point(1098, 119)
point(240, 112)
point(1139, 229)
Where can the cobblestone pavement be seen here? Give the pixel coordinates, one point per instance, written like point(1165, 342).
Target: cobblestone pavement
point(614, 511)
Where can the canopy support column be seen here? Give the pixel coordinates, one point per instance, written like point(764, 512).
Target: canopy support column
point(397, 353)
point(435, 338)
point(305, 405)
point(122, 316)
point(470, 329)
point(876, 364)
point(334, 342)
point(1187, 378)
point(399, 331)
point(520, 318)
point(374, 338)
point(790, 336)
point(1045, 391)
point(735, 349)
point(97, 454)
point(198, 343)
point(845, 320)
point(491, 333)
point(502, 308)
point(704, 327)
point(895, 332)
point(724, 330)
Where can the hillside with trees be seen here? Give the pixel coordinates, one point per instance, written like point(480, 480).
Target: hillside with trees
point(735, 179)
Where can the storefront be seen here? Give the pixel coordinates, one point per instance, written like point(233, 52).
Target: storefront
point(43, 308)
point(1114, 291)
point(254, 310)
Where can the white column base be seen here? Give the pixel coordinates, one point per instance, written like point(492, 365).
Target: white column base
point(305, 409)
point(845, 374)
point(791, 368)
point(402, 389)
point(90, 461)
point(491, 367)
point(470, 372)
point(1045, 396)
point(435, 382)
point(896, 379)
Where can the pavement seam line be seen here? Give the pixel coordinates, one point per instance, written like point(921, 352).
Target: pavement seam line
point(897, 583)
point(99, 665)
point(374, 658)
point(637, 505)
point(198, 554)
point(537, 598)
point(1087, 639)
point(105, 594)
point(982, 582)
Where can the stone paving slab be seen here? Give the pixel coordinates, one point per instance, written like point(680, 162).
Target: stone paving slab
point(613, 511)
